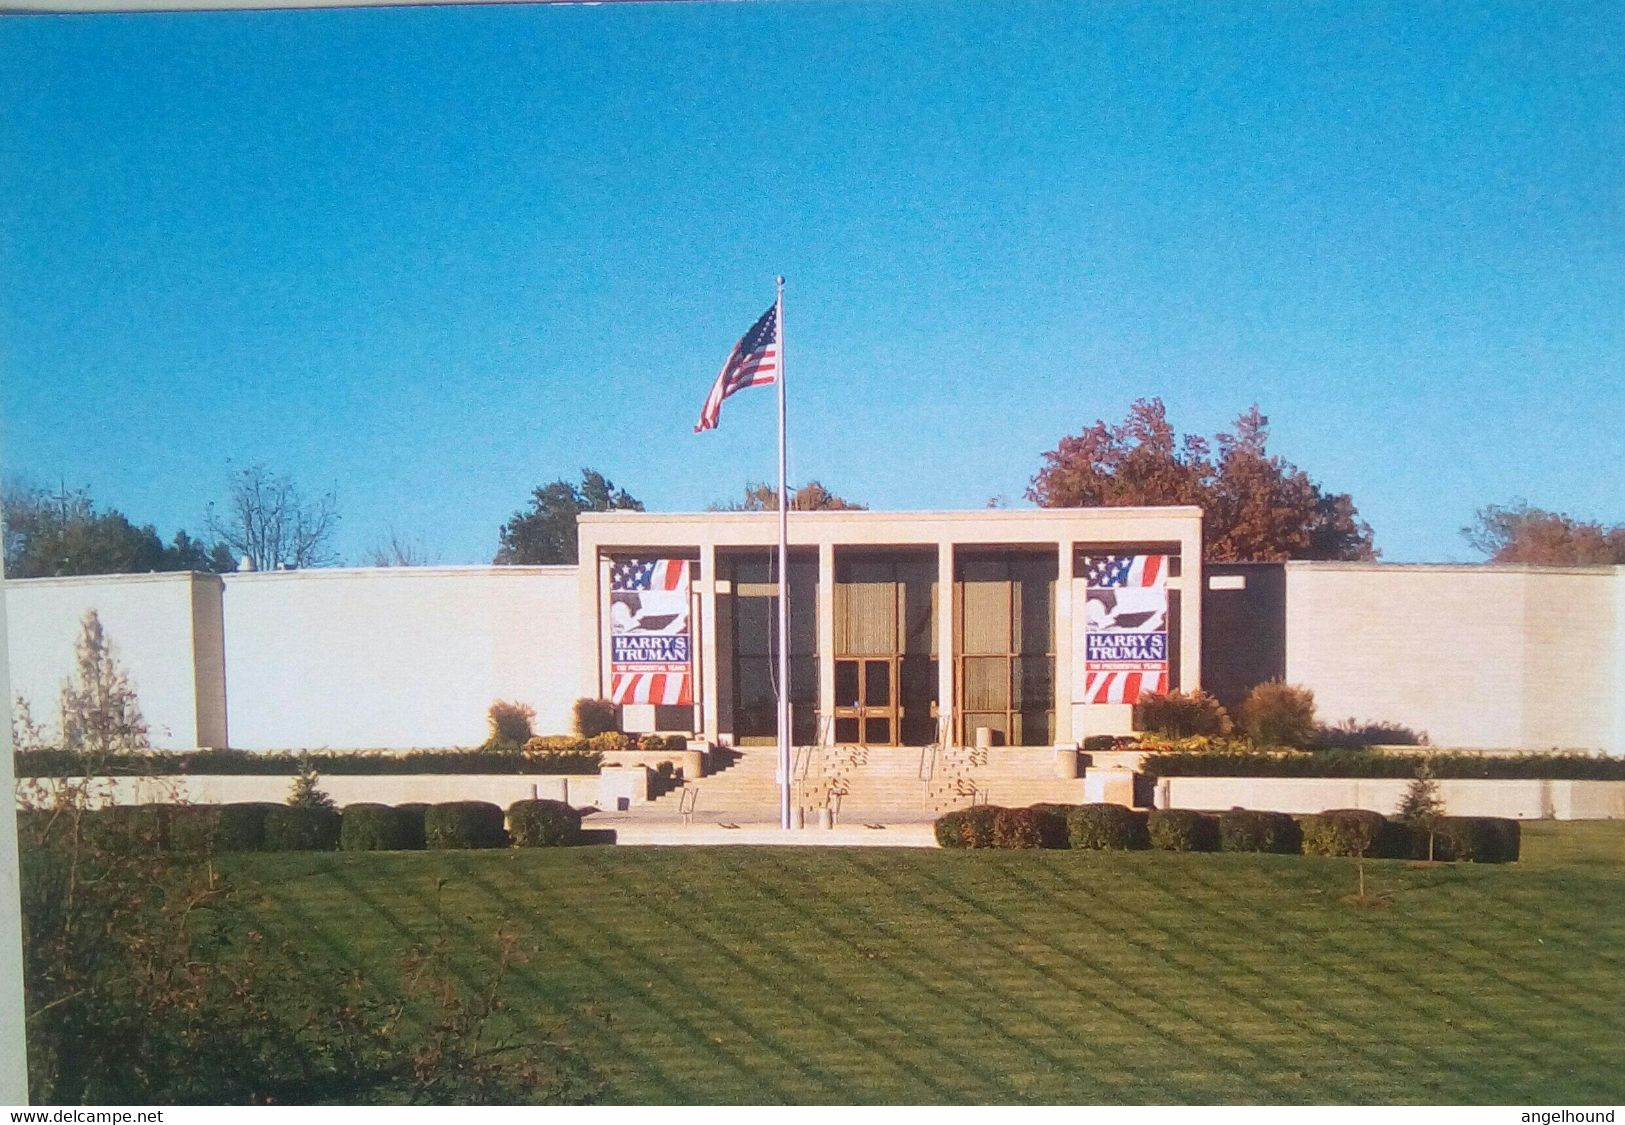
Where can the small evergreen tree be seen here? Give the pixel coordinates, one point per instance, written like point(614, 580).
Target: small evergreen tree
point(1422, 807)
point(98, 707)
point(306, 794)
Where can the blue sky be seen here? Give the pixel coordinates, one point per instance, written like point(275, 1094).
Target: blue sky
point(432, 258)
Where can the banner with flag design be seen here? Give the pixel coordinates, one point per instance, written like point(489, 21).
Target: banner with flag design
point(1126, 627)
point(651, 644)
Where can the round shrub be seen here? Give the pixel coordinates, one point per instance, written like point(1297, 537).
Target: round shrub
point(301, 829)
point(1477, 839)
point(1250, 830)
point(1348, 832)
point(412, 826)
point(967, 828)
point(1278, 714)
point(1182, 830)
point(593, 716)
point(1178, 714)
point(1017, 828)
point(543, 824)
point(1106, 828)
point(367, 827)
point(464, 824)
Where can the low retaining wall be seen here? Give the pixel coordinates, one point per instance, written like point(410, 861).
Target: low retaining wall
point(601, 790)
point(1518, 798)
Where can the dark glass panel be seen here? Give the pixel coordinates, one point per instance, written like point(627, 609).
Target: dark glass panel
point(876, 683)
point(846, 683)
point(1034, 728)
point(1034, 681)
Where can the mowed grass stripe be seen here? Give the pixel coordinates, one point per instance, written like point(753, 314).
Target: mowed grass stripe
point(692, 975)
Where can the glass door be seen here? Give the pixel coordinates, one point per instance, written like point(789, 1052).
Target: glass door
point(866, 701)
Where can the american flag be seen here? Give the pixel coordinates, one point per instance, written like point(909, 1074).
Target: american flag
point(649, 574)
point(754, 362)
point(651, 661)
point(1107, 572)
point(1141, 606)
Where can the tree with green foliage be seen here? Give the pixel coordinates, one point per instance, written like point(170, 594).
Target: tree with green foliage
point(546, 533)
point(1422, 807)
point(1517, 533)
point(306, 792)
point(48, 535)
point(1256, 506)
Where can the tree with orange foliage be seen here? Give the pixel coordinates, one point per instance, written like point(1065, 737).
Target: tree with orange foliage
point(1517, 533)
point(1256, 507)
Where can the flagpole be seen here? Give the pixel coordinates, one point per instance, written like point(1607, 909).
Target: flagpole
point(784, 593)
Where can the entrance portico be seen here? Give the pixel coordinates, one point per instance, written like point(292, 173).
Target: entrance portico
point(905, 628)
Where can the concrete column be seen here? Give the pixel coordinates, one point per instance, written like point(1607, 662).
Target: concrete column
point(588, 595)
point(945, 638)
point(1063, 644)
point(709, 662)
point(1192, 587)
point(826, 641)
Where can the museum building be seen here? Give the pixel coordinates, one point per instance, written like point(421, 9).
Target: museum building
point(1032, 628)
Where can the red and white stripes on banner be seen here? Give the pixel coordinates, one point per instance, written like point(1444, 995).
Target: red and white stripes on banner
point(669, 688)
point(1123, 687)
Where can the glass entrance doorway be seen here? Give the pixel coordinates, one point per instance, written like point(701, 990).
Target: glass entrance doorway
point(885, 649)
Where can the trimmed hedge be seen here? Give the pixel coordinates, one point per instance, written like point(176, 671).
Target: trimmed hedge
point(1052, 823)
point(1018, 828)
point(564, 756)
point(1107, 828)
point(412, 825)
point(543, 824)
point(1182, 830)
point(1476, 839)
point(290, 829)
point(367, 827)
point(464, 824)
point(1364, 763)
point(967, 828)
point(1251, 830)
point(241, 826)
point(1353, 832)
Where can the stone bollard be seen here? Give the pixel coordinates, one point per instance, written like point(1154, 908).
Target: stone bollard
point(693, 763)
point(1066, 763)
point(799, 818)
point(825, 820)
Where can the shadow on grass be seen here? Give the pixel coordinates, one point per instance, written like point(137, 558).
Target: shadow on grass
point(805, 911)
point(1068, 984)
point(623, 989)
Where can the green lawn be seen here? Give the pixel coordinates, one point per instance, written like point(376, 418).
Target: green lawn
point(823, 975)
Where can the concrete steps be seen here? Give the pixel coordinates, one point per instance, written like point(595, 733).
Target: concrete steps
point(875, 783)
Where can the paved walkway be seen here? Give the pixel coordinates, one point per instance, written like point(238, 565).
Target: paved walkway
point(638, 827)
